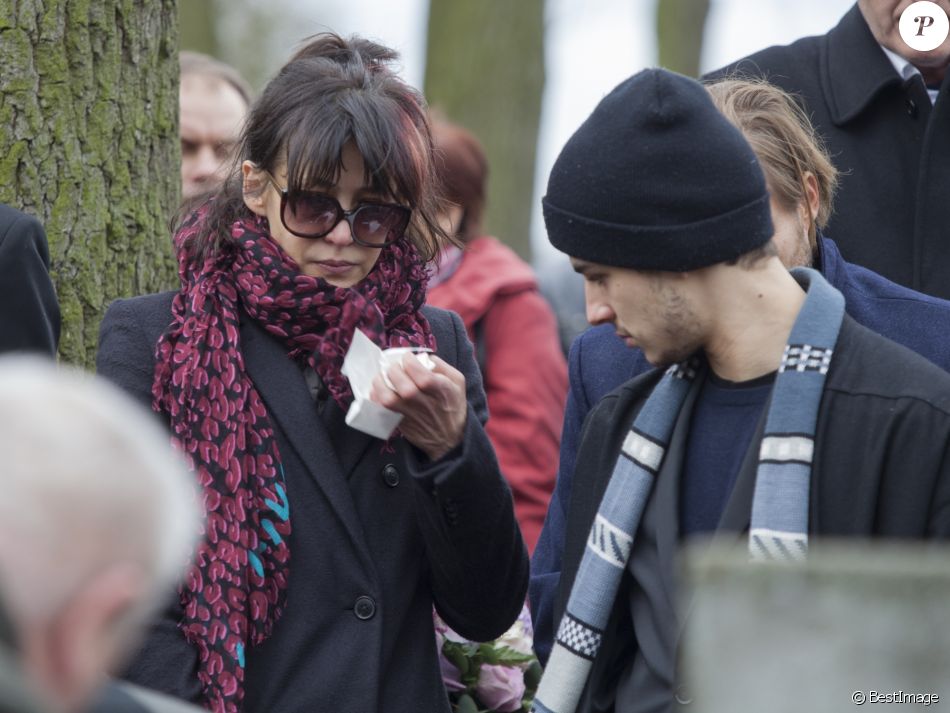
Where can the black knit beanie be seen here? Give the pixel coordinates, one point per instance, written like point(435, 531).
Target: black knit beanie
point(657, 179)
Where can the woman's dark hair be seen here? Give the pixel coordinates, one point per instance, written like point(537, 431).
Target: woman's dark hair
point(462, 171)
point(334, 91)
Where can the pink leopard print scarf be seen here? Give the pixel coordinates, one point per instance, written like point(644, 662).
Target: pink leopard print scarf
point(234, 592)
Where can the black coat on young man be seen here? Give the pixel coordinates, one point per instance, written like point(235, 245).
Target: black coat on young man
point(29, 312)
point(891, 146)
point(379, 536)
point(881, 469)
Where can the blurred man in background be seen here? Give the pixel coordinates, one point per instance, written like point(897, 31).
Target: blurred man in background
point(96, 525)
point(213, 100)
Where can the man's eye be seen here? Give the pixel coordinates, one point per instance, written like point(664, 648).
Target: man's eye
point(188, 148)
point(223, 150)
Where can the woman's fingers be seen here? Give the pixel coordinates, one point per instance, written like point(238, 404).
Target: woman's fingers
point(403, 383)
point(432, 403)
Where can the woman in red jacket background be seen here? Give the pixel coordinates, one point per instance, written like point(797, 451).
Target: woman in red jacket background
point(512, 327)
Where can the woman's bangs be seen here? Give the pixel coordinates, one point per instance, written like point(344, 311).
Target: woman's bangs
point(396, 153)
point(388, 143)
point(315, 154)
point(383, 173)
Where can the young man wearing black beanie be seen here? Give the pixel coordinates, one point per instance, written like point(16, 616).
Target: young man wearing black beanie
point(778, 416)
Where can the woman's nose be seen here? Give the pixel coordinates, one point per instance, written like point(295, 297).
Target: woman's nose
point(341, 233)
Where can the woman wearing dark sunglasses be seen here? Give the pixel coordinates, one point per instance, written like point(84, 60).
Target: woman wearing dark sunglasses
point(324, 549)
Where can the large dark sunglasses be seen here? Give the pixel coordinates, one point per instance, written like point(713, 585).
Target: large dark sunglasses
point(312, 214)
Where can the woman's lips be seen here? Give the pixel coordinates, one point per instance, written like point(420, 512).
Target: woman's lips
point(335, 267)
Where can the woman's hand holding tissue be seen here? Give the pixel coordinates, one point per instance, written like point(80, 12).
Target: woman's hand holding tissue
point(432, 403)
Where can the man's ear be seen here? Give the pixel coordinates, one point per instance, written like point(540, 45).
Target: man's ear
point(254, 188)
point(812, 196)
point(96, 630)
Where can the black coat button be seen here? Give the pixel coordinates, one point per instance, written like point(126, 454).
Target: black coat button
point(365, 608)
point(391, 475)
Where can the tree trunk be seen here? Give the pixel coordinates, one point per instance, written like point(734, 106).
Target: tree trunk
point(679, 32)
point(89, 107)
point(485, 70)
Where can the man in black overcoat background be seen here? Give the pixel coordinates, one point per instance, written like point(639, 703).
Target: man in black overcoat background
point(884, 112)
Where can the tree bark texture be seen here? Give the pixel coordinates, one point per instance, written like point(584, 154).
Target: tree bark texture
point(89, 145)
point(679, 31)
point(485, 71)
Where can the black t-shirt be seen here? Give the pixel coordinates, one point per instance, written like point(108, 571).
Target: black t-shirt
point(723, 421)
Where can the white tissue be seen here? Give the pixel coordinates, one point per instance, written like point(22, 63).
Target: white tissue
point(393, 355)
point(363, 361)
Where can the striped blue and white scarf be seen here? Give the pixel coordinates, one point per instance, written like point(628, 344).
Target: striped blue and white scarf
point(779, 525)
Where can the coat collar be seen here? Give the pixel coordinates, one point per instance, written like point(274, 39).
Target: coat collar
point(853, 68)
point(284, 390)
point(829, 262)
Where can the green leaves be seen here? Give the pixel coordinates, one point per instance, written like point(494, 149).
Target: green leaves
point(532, 677)
point(461, 656)
point(502, 655)
point(468, 657)
point(466, 704)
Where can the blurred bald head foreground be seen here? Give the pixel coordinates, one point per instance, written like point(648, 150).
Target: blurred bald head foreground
point(213, 99)
point(97, 523)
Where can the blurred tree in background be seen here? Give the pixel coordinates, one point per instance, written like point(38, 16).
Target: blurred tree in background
point(256, 37)
point(679, 33)
point(89, 110)
point(198, 20)
point(485, 70)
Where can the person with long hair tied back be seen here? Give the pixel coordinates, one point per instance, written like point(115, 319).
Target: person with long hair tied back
point(324, 548)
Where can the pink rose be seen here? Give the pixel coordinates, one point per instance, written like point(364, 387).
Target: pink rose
point(440, 628)
point(451, 676)
point(501, 688)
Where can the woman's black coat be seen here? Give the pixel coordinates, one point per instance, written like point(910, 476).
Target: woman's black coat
point(377, 539)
